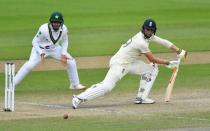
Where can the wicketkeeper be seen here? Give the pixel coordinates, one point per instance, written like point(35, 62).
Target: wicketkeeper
point(128, 60)
point(51, 40)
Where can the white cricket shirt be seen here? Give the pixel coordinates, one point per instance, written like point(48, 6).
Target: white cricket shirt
point(135, 46)
point(42, 39)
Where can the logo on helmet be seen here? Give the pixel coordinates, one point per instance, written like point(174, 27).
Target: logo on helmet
point(150, 23)
point(56, 17)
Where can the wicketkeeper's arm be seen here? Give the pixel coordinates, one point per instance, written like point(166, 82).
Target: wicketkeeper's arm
point(35, 42)
point(65, 42)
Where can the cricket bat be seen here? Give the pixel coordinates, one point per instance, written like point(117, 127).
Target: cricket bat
point(171, 84)
point(173, 79)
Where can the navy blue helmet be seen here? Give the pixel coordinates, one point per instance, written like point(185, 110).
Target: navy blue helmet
point(149, 24)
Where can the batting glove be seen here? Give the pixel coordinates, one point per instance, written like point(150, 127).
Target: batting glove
point(182, 55)
point(173, 64)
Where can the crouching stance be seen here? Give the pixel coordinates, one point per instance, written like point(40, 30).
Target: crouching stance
point(46, 43)
point(128, 60)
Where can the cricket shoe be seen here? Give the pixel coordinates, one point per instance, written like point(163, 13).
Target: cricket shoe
point(138, 100)
point(76, 102)
point(77, 87)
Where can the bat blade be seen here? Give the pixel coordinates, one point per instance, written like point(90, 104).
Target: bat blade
point(171, 85)
point(173, 78)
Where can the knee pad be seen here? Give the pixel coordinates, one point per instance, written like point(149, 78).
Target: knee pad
point(154, 72)
point(146, 82)
point(150, 76)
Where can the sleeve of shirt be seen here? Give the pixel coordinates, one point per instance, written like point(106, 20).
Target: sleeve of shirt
point(64, 42)
point(144, 48)
point(36, 39)
point(162, 41)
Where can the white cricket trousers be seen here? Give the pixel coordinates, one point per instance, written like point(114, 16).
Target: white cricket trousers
point(35, 59)
point(115, 73)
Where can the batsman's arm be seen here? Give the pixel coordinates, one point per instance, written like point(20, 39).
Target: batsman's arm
point(181, 54)
point(153, 59)
point(175, 48)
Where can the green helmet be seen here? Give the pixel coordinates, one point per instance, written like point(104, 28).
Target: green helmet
point(56, 17)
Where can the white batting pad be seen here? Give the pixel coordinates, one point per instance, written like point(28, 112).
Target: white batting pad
point(93, 92)
point(146, 83)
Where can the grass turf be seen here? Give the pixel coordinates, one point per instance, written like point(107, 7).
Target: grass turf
point(55, 82)
point(100, 27)
point(199, 120)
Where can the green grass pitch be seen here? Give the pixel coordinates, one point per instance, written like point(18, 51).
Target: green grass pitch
point(32, 86)
point(109, 123)
point(100, 27)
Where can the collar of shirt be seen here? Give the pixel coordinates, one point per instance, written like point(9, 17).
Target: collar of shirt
point(60, 29)
point(147, 39)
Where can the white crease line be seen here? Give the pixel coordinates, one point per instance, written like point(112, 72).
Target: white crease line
point(189, 118)
point(107, 110)
point(46, 105)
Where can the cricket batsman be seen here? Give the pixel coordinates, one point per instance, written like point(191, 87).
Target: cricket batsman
point(51, 40)
point(128, 60)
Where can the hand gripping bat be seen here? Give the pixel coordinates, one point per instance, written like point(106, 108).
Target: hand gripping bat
point(172, 80)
